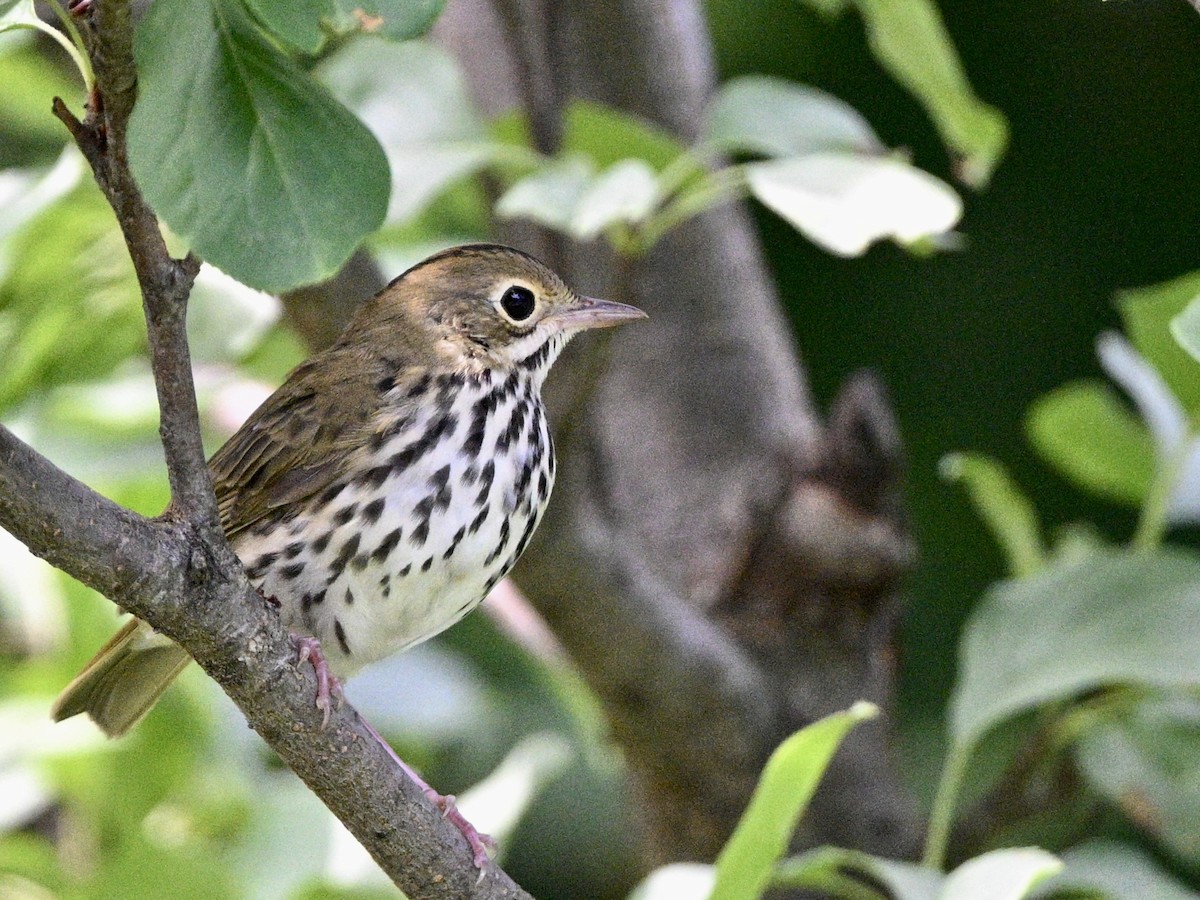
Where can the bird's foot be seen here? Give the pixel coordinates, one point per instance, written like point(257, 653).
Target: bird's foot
point(329, 688)
point(479, 843)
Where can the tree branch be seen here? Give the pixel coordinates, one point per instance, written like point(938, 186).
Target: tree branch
point(178, 573)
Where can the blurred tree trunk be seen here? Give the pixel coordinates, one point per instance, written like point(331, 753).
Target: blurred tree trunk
point(720, 563)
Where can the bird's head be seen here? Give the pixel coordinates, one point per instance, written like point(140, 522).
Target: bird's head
point(488, 305)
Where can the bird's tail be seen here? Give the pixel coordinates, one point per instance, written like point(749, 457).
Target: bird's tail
point(123, 680)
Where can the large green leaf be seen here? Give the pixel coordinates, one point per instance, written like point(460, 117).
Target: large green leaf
point(1007, 874)
point(69, 307)
point(607, 135)
point(307, 24)
point(844, 202)
point(1113, 618)
point(784, 789)
point(1085, 431)
point(1117, 871)
point(415, 100)
point(910, 40)
point(1147, 314)
point(773, 117)
point(243, 154)
point(846, 873)
point(1147, 762)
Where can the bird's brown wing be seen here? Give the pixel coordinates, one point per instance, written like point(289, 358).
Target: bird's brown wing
point(296, 444)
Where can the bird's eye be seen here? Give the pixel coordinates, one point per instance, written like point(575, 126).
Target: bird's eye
point(518, 302)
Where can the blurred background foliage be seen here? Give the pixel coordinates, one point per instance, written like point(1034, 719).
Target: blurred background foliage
point(1098, 192)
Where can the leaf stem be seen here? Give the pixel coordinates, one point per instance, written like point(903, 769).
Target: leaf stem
point(724, 184)
point(80, 59)
point(941, 816)
point(1153, 522)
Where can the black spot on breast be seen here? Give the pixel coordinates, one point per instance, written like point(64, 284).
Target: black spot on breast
point(292, 572)
point(441, 477)
point(543, 486)
point(385, 384)
point(377, 475)
point(292, 550)
point(494, 555)
point(340, 633)
point(479, 519)
point(419, 534)
point(322, 542)
point(427, 565)
point(424, 508)
point(404, 571)
point(373, 510)
point(330, 494)
point(458, 536)
point(345, 514)
point(386, 546)
point(349, 597)
point(359, 562)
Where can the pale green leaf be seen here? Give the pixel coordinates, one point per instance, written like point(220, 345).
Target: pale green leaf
point(1147, 314)
point(1146, 761)
point(1086, 432)
point(783, 792)
point(1000, 503)
point(550, 195)
point(624, 193)
point(243, 154)
point(773, 117)
point(606, 135)
point(1119, 871)
point(1185, 328)
point(1007, 874)
point(1114, 618)
point(842, 873)
point(308, 24)
point(415, 101)
point(677, 881)
point(844, 202)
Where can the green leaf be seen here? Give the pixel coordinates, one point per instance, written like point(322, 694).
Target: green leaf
point(1007, 874)
point(625, 193)
point(415, 101)
point(845, 202)
point(1089, 435)
point(1147, 314)
point(1185, 328)
point(307, 25)
point(72, 254)
point(27, 87)
point(676, 881)
point(784, 789)
point(1146, 761)
point(847, 874)
point(1114, 618)
point(550, 195)
point(1001, 504)
point(774, 117)
point(606, 136)
point(909, 39)
point(243, 154)
point(1120, 871)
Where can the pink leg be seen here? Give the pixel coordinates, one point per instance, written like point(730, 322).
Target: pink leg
point(328, 686)
point(479, 843)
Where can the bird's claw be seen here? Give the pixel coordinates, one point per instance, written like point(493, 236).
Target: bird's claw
point(308, 649)
point(479, 842)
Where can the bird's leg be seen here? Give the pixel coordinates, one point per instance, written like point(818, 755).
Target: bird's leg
point(308, 649)
point(479, 843)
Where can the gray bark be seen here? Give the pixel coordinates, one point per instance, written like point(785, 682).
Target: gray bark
point(720, 563)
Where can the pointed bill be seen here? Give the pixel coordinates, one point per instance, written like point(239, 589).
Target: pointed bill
point(589, 312)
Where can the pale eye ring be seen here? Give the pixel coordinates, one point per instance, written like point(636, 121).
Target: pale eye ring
point(518, 302)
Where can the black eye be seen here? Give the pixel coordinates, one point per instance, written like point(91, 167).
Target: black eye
point(518, 302)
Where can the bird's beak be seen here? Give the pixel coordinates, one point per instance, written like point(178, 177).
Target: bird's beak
point(589, 312)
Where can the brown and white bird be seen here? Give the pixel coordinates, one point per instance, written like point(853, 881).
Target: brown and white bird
point(381, 492)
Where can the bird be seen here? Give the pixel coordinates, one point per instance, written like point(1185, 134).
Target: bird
point(390, 482)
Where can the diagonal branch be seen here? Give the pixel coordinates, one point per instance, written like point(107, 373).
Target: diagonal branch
point(178, 573)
